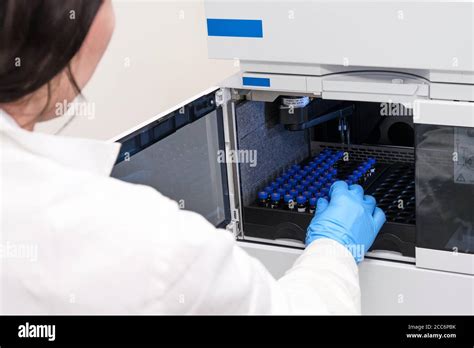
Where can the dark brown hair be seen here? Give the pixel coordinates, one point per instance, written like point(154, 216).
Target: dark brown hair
point(38, 39)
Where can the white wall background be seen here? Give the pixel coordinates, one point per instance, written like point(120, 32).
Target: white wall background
point(165, 44)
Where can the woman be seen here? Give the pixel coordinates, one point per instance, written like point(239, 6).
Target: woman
point(106, 246)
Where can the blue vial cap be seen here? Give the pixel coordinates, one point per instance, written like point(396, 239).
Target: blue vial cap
point(285, 176)
point(292, 182)
point(312, 201)
point(291, 172)
point(305, 183)
point(307, 168)
point(280, 181)
point(301, 199)
point(274, 185)
point(263, 195)
point(307, 194)
point(310, 178)
point(293, 193)
point(275, 196)
point(268, 189)
point(313, 164)
point(299, 188)
point(303, 172)
point(325, 191)
point(296, 167)
point(281, 191)
point(312, 189)
point(298, 177)
point(287, 187)
point(287, 198)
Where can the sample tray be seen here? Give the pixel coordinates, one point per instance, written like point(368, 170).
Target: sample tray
point(392, 185)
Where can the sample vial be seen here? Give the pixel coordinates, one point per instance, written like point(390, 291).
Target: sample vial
point(303, 173)
point(351, 179)
point(293, 193)
point(280, 181)
point(312, 205)
point(263, 199)
point(357, 175)
point(305, 183)
point(296, 167)
point(268, 190)
point(307, 194)
point(371, 161)
point(298, 177)
point(299, 188)
point(317, 185)
point(301, 204)
point(275, 201)
point(293, 182)
point(312, 189)
point(289, 203)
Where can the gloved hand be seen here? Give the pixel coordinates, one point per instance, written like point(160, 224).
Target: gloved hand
point(349, 218)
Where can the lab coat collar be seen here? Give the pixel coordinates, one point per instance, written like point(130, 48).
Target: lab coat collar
point(82, 154)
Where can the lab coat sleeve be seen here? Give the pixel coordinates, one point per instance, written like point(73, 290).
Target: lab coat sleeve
point(223, 278)
point(161, 259)
point(325, 275)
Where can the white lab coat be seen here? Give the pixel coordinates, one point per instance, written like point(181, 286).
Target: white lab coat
point(74, 240)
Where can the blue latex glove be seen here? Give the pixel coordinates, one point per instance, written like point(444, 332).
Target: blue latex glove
point(349, 218)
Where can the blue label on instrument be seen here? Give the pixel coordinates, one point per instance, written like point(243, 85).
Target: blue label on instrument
point(256, 81)
point(234, 27)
